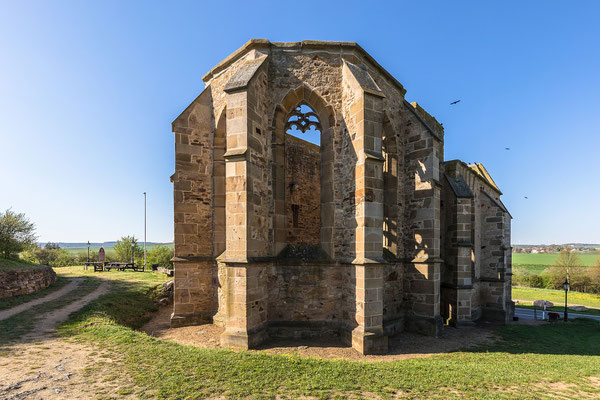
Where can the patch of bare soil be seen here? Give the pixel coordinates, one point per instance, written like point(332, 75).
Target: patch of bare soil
point(562, 390)
point(57, 369)
point(52, 368)
point(402, 346)
point(52, 296)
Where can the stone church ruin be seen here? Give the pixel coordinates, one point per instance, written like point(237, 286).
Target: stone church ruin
point(365, 234)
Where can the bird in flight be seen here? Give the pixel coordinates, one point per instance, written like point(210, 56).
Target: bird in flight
point(454, 102)
point(526, 197)
point(507, 148)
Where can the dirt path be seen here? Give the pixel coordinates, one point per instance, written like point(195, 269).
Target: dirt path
point(50, 321)
point(42, 366)
point(52, 296)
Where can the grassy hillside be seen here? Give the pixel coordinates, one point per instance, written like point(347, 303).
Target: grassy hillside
point(12, 264)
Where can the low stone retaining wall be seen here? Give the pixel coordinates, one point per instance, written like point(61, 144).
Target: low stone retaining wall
point(25, 281)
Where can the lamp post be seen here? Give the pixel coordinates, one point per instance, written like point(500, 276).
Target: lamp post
point(88, 251)
point(566, 286)
point(144, 230)
point(132, 246)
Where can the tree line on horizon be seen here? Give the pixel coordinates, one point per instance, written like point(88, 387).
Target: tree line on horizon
point(567, 266)
point(18, 240)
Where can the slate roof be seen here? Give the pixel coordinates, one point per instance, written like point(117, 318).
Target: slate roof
point(459, 186)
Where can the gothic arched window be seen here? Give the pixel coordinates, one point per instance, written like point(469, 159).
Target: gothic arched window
point(304, 123)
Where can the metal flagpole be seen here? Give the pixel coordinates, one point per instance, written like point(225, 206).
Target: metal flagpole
point(144, 230)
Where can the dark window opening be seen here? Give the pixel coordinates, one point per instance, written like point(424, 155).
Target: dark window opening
point(295, 213)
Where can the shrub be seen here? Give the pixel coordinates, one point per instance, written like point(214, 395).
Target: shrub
point(160, 255)
point(53, 256)
point(17, 233)
point(123, 249)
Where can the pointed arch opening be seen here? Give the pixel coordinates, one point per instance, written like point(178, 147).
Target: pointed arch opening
point(303, 177)
point(303, 165)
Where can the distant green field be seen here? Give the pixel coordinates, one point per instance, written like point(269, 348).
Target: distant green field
point(110, 249)
point(536, 263)
point(587, 259)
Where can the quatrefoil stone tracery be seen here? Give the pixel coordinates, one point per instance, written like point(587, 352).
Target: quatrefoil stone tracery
point(303, 123)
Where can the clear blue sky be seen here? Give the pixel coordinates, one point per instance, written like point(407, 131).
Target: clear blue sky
point(88, 91)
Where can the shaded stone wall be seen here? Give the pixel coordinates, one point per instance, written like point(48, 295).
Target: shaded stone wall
point(302, 191)
point(478, 272)
point(301, 292)
point(492, 232)
point(26, 280)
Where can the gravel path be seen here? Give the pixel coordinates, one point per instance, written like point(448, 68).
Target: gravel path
point(52, 296)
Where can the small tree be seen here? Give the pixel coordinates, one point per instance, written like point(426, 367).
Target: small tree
point(16, 233)
point(594, 275)
point(160, 255)
point(568, 266)
point(566, 262)
point(123, 249)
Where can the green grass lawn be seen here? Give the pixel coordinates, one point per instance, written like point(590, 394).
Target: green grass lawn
point(519, 366)
point(556, 296)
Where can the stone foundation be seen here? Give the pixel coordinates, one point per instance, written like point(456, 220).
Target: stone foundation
point(25, 281)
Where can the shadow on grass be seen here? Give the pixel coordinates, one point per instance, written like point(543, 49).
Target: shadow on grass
point(130, 304)
point(581, 336)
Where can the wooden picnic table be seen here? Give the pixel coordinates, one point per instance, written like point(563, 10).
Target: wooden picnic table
point(122, 266)
point(105, 265)
point(98, 265)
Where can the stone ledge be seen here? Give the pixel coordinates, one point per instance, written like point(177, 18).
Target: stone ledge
point(244, 340)
point(180, 320)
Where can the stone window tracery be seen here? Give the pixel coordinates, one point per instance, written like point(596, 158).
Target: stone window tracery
point(304, 123)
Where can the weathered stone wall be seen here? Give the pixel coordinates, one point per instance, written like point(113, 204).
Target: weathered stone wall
point(302, 191)
point(421, 224)
point(307, 292)
point(370, 197)
point(25, 281)
point(393, 297)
